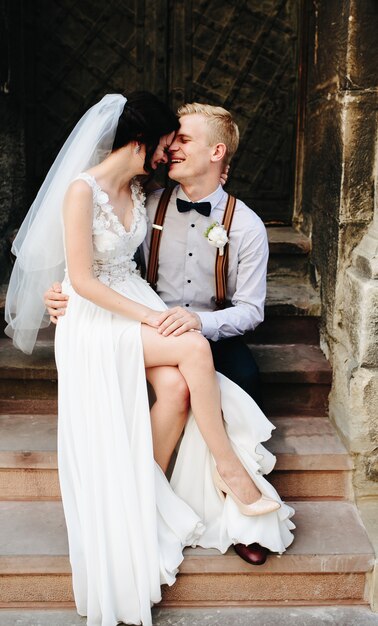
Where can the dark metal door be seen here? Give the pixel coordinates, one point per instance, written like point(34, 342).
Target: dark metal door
point(239, 54)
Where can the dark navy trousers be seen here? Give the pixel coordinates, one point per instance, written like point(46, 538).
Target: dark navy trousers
point(233, 358)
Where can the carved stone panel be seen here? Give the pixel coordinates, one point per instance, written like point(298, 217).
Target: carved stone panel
point(241, 54)
point(245, 57)
point(77, 51)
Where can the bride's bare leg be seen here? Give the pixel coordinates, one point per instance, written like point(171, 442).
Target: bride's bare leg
point(170, 411)
point(191, 353)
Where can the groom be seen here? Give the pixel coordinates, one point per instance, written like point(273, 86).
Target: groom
point(210, 287)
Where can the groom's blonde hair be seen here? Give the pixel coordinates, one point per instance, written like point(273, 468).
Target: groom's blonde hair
point(221, 126)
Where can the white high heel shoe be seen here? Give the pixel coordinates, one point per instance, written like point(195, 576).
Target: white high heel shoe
point(262, 506)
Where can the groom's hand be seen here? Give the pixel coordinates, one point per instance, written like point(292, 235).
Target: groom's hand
point(224, 175)
point(177, 321)
point(55, 302)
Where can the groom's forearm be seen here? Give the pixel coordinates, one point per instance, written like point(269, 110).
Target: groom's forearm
point(232, 321)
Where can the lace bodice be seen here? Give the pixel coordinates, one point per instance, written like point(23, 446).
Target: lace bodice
point(114, 247)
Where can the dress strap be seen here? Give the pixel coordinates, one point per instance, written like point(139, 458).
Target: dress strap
point(88, 179)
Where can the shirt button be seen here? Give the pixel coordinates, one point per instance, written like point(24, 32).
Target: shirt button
point(190, 253)
point(192, 225)
point(189, 281)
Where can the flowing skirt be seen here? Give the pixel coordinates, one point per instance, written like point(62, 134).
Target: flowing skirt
point(127, 525)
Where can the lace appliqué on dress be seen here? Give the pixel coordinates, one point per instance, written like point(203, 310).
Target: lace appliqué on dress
point(114, 246)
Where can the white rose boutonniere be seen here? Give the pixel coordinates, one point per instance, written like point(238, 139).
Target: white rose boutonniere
point(216, 236)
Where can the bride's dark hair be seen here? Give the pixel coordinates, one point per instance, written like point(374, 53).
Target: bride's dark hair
point(145, 119)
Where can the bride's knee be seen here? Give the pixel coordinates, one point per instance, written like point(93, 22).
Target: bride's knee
point(173, 387)
point(199, 349)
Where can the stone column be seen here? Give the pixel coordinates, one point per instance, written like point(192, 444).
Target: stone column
point(354, 397)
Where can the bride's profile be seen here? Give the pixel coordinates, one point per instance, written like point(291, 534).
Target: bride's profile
point(127, 525)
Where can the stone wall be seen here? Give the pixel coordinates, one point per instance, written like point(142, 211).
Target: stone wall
point(337, 208)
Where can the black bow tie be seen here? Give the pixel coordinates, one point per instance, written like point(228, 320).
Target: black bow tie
point(203, 208)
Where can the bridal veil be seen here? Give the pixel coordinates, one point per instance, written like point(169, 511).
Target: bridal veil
point(39, 245)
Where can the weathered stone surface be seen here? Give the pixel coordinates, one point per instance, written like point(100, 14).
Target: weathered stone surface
point(361, 317)
point(353, 406)
point(362, 29)
point(327, 45)
point(369, 512)
point(358, 126)
point(365, 255)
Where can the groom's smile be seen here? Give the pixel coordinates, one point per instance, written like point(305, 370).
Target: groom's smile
point(190, 151)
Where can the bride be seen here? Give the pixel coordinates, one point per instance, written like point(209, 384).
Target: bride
point(127, 526)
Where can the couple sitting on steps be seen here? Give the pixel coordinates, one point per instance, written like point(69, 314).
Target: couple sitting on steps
point(127, 526)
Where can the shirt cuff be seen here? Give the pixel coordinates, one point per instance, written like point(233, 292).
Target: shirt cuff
point(209, 325)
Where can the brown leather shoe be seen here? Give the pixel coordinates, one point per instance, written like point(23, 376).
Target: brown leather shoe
point(254, 553)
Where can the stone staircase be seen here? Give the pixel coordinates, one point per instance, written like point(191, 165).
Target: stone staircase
point(331, 557)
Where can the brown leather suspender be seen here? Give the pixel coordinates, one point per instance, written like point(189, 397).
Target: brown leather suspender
point(221, 262)
point(153, 259)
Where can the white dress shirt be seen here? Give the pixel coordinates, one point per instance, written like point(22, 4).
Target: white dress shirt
point(186, 274)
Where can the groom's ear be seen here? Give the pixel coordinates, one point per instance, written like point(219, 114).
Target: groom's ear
point(218, 152)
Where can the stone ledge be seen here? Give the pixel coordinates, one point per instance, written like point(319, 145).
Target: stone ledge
point(34, 540)
point(289, 363)
point(308, 443)
point(289, 297)
point(287, 240)
point(284, 363)
point(17, 365)
point(225, 616)
point(300, 443)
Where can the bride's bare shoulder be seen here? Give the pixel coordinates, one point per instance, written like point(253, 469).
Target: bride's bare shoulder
point(79, 188)
point(79, 195)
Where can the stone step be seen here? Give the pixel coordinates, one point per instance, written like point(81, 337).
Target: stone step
point(28, 383)
point(288, 252)
point(286, 240)
point(327, 562)
point(295, 378)
point(284, 329)
point(287, 319)
point(290, 296)
point(311, 460)
point(287, 296)
point(219, 616)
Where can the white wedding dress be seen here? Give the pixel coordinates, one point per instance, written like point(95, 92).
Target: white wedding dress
point(127, 525)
